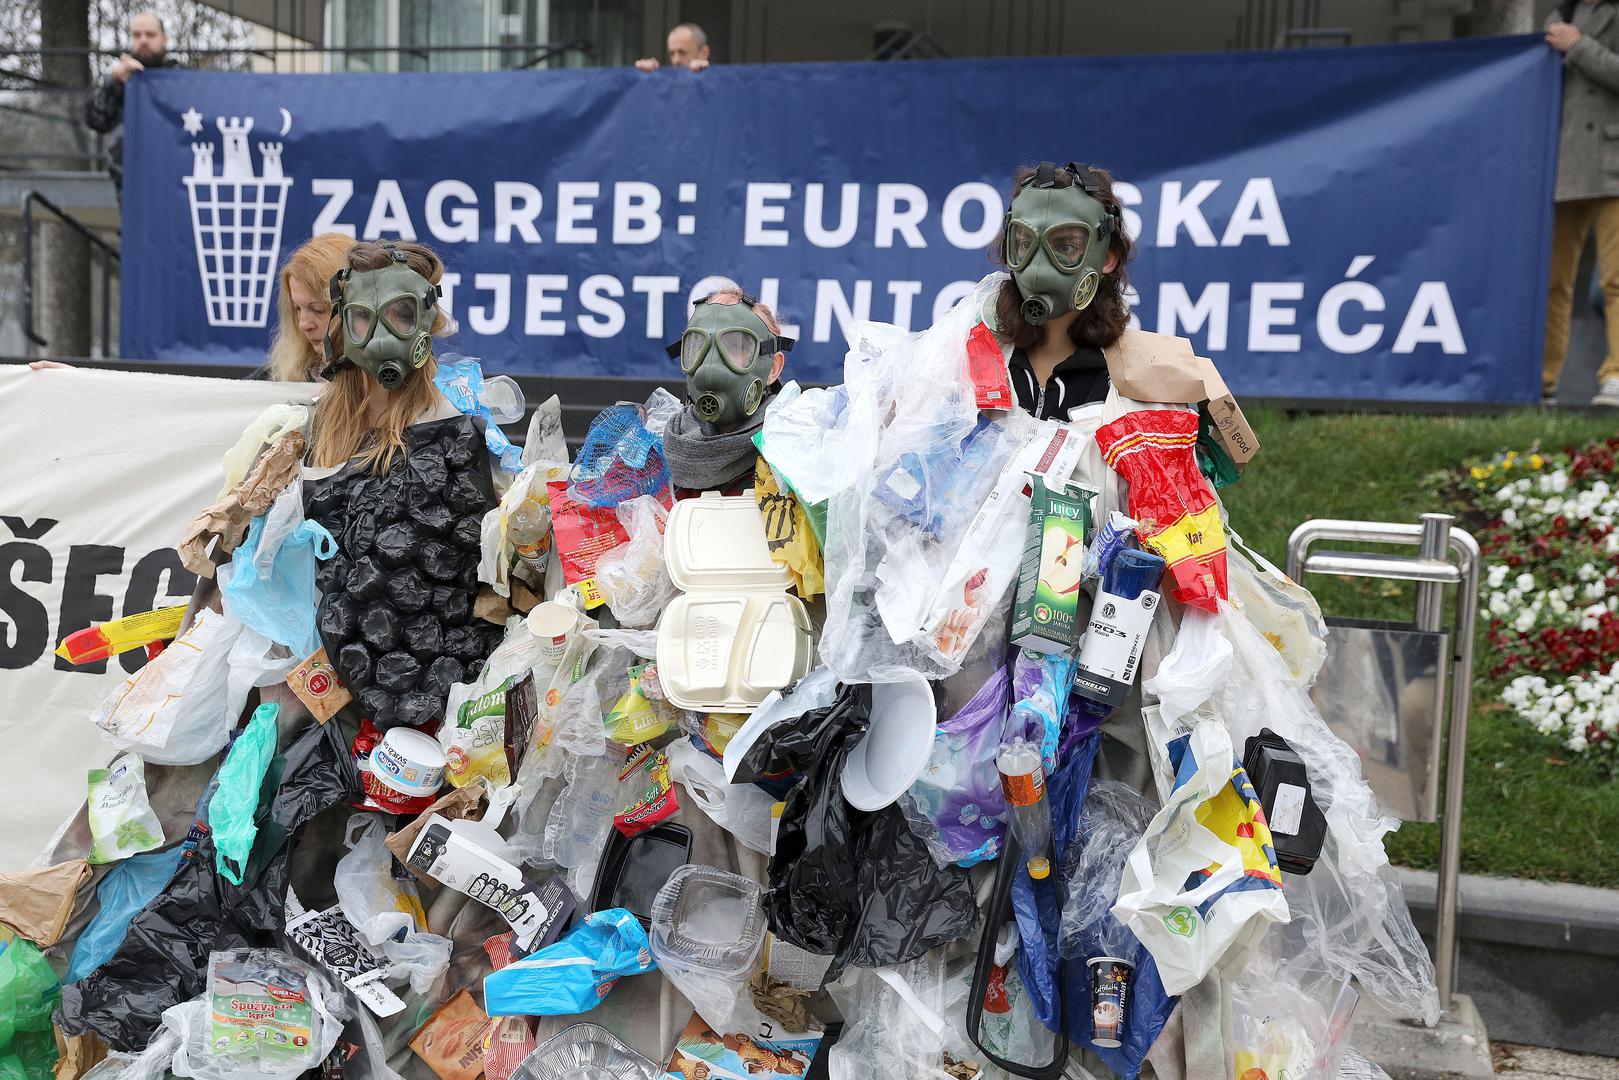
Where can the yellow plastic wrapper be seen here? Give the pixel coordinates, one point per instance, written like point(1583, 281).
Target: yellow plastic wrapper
point(787, 531)
point(633, 719)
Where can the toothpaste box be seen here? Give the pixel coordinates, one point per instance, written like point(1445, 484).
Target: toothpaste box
point(1045, 615)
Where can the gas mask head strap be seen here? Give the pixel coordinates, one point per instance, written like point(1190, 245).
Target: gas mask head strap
point(1045, 176)
point(775, 343)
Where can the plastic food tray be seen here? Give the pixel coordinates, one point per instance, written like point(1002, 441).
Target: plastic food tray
point(736, 633)
point(635, 868)
point(709, 919)
point(585, 1052)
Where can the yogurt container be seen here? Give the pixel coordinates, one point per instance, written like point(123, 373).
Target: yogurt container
point(409, 762)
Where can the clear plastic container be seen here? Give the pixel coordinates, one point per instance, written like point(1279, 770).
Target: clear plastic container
point(504, 399)
point(586, 1052)
point(709, 919)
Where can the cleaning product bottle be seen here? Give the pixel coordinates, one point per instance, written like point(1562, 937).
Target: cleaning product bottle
point(1023, 781)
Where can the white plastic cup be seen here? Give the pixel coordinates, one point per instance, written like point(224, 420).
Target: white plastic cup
point(553, 623)
point(409, 762)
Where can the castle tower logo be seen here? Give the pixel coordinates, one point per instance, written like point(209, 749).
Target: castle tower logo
point(236, 217)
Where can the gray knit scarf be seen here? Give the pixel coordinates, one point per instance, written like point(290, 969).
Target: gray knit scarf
point(702, 459)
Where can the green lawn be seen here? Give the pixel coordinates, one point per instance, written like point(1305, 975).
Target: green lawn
point(1528, 812)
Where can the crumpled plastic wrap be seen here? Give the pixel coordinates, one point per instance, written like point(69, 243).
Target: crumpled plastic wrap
point(956, 806)
point(164, 957)
point(633, 576)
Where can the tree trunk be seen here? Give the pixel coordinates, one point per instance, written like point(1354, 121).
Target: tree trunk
point(62, 301)
point(1492, 17)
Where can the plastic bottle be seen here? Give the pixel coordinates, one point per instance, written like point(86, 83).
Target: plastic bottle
point(529, 529)
point(1024, 783)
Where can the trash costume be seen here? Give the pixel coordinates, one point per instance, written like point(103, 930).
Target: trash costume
point(914, 494)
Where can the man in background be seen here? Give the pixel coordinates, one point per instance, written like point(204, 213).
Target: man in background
point(104, 109)
point(1586, 32)
point(688, 48)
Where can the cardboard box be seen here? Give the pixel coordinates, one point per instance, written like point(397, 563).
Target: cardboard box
point(1164, 369)
point(537, 914)
point(1045, 615)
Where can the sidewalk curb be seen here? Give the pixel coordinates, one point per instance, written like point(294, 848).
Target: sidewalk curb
point(1537, 958)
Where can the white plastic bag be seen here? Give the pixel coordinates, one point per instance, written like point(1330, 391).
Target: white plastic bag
point(1279, 608)
point(798, 441)
point(632, 575)
point(266, 430)
point(1186, 927)
point(742, 810)
point(1194, 668)
point(896, 1024)
point(173, 710)
point(122, 822)
point(386, 910)
point(191, 1021)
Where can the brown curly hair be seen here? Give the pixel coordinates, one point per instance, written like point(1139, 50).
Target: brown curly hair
point(1106, 317)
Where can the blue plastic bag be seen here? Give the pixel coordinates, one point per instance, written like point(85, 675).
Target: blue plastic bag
point(127, 888)
point(271, 587)
point(573, 975)
point(1038, 907)
point(460, 378)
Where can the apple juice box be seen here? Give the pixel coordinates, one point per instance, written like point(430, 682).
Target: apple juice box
point(1045, 616)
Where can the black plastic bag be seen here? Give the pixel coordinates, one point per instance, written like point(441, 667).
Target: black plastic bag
point(164, 957)
point(860, 887)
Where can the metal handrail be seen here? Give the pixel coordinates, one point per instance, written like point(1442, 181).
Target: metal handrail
point(1435, 538)
point(105, 250)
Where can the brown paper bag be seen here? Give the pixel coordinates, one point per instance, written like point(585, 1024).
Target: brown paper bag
point(38, 902)
point(459, 803)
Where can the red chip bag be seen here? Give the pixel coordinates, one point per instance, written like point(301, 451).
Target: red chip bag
point(1155, 452)
point(986, 366)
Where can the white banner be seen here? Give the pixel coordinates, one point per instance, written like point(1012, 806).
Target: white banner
point(100, 471)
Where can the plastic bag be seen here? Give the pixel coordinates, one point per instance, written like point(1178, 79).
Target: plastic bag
point(1205, 867)
point(632, 575)
point(634, 718)
point(264, 1016)
point(957, 805)
point(265, 430)
point(896, 1023)
point(122, 822)
point(127, 888)
point(742, 810)
point(460, 378)
point(164, 956)
point(386, 909)
point(799, 439)
point(581, 819)
point(1352, 895)
point(1280, 609)
point(788, 533)
point(1114, 819)
point(29, 993)
point(1193, 669)
point(817, 690)
point(234, 810)
point(172, 711)
point(1042, 683)
point(272, 588)
point(859, 887)
point(573, 975)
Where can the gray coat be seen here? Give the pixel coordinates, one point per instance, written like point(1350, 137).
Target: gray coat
point(1588, 147)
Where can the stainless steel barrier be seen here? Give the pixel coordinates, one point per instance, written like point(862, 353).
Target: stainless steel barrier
point(1383, 688)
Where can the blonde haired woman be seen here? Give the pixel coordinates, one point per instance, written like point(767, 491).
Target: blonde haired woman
point(305, 306)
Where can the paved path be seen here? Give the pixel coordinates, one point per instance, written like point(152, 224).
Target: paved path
point(1538, 1063)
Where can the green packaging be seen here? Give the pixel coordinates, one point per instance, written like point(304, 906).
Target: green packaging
point(260, 1009)
point(1045, 616)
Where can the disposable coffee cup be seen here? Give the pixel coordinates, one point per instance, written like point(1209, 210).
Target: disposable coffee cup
point(409, 762)
point(553, 623)
point(1110, 999)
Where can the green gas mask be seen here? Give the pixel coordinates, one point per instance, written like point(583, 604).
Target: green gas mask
point(384, 320)
point(726, 354)
point(1056, 241)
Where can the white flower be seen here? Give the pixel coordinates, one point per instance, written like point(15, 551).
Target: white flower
point(1526, 582)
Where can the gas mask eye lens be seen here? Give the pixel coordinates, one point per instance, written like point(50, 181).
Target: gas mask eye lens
point(693, 343)
point(359, 322)
point(1019, 244)
point(400, 315)
point(739, 349)
point(1067, 244)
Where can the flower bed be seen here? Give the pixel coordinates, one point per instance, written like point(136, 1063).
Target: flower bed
point(1551, 590)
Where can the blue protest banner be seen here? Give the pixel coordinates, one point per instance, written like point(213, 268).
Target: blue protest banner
point(1366, 223)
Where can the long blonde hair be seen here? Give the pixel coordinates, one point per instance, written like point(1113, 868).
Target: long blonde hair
point(312, 265)
point(340, 429)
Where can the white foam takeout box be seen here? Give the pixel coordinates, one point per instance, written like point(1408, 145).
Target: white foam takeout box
point(735, 633)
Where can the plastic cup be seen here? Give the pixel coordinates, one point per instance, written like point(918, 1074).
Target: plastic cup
point(553, 623)
point(1110, 999)
point(897, 745)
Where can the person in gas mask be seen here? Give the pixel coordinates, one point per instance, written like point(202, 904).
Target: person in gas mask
point(402, 481)
point(379, 355)
point(732, 354)
point(1064, 242)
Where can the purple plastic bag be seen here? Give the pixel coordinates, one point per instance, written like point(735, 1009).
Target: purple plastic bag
point(956, 806)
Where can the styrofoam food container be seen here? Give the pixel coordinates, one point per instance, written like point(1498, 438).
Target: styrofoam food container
point(897, 745)
point(409, 762)
point(735, 634)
